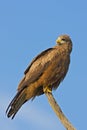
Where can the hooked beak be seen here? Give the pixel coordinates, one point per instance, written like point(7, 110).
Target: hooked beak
point(58, 41)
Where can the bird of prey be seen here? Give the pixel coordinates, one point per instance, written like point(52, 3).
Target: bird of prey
point(44, 74)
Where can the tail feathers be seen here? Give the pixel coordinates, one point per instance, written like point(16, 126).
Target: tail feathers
point(16, 103)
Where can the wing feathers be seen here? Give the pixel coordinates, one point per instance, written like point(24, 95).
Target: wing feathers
point(16, 103)
point(38, 56)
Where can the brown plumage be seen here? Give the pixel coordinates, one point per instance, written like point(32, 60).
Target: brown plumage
point(45, 73)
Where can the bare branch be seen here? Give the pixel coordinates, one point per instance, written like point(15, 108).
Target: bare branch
point(58, 111)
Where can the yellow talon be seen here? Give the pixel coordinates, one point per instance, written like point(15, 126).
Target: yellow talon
point(47, 89)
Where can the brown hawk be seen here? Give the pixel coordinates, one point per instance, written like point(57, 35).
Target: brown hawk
point(45, 73)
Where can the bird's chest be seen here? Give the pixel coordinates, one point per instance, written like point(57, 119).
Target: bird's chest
point(57, 70)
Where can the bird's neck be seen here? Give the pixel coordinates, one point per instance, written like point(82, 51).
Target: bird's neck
point(64, 48)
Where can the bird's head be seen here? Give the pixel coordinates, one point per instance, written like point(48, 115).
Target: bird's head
point(63, 39)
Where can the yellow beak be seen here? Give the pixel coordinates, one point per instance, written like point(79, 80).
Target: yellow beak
point(58, 41)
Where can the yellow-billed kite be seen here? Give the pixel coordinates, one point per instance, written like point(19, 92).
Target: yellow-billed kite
point(45, 73)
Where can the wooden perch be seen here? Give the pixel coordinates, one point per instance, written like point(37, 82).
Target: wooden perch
point(59, 112)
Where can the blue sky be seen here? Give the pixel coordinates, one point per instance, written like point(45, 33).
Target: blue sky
point(27, 28)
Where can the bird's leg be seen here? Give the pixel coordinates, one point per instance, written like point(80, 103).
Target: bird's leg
point(47, 89)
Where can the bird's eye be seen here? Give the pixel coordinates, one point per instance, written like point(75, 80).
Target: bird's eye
point(64, 39)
